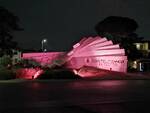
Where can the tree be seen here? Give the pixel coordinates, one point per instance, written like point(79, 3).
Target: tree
point(8, 24)
point(120, 30)
point(116, 25)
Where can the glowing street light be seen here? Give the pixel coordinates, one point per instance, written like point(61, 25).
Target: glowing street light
point(44, 42)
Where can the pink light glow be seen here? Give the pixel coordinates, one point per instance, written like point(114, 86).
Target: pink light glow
point(38, 73)
point(90, 72)
point(75, 71)
point(29, 73)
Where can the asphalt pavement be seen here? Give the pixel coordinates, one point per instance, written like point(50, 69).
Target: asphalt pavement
point(75, 96)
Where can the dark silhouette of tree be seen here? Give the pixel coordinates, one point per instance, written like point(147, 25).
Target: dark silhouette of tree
point(116, 25)
point(8, 24)
point(120, 30)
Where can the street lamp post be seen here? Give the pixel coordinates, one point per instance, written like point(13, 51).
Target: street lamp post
point(44, 41)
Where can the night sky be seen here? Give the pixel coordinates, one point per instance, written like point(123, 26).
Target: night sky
point(64, 22)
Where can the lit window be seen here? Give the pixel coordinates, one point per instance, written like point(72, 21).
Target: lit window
point(138, 46)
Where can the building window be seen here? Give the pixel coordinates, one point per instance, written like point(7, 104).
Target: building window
point(138, 46)
point(149, 45)
point(142, 47)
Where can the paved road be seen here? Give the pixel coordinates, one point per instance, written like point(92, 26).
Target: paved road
point(76, 96)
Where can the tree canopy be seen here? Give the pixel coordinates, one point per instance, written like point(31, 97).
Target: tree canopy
point(8, 24)
point(120, 30)
point(116, 25)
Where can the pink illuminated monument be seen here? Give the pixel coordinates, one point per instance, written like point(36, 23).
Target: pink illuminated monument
point(97, 52)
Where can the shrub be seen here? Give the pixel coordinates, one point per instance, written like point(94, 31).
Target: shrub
point(58, 74)
point(5, 60)
point(26, 63)
point(6, 74)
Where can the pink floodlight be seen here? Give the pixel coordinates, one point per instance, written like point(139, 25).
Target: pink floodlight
point(29, 73)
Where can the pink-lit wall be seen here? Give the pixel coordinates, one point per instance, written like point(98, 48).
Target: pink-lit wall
point(113, 63)
point(43, 57)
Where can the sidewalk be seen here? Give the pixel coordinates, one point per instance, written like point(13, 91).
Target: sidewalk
point(13, 81)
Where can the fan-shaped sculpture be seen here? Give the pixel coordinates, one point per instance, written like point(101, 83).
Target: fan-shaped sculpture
point(94, 52)
point(97, 52)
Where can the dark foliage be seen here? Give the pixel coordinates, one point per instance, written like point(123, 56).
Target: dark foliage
point(121, 31)
point(6, 74)
point(27, 63)
point(58, 74)
point(116, 25)
point(8, 24)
